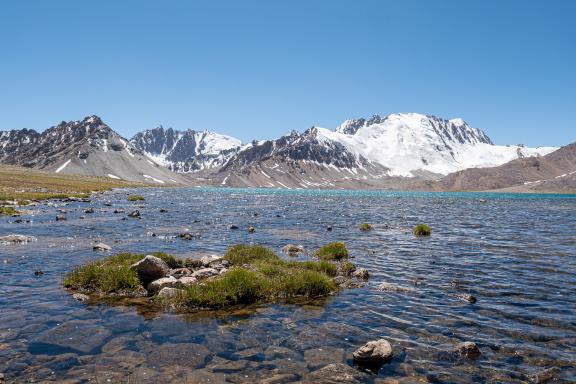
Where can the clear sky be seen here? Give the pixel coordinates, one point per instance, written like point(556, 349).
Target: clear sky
point(258, 69)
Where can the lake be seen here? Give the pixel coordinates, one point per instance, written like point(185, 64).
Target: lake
point(515, 253)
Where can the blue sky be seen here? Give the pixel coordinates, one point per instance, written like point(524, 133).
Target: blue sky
point(258, 69)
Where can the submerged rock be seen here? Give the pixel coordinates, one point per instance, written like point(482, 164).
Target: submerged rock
point(16, 239)
point(150, 268)
point(101, 247)
point(60, 218)
point(233, 226)
point(374, 352)
point(468, 349)
point(135, 213)
point(336, 373)
point(80, 297)
point(292, 250)
point(78, 335)
point(89, 210)
point(466, 297)
point(545, 376)
point(387, 287)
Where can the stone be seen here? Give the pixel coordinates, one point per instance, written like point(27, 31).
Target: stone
point(233, 226)
point(169, 292)
point(89, 210)
point(150, 268)
point(468, 349)
point(319, 357)
point(329, 228)
point(376, 351)
point(135, 213)
point(77, 335)
point(361, 273)
point(162, 282)
point(208, 260)
point(193, 263)
point(80, 297)
point(16, 239)
point(183, 354)
point(60, 218)
point(101, 247)
point(205, 273)
point(162, 210)
point(180, 272)
point(466, 297)
point(274, 352)
point(186, 236)
point(292, 250)
point(222, 365)
point(336, 373)
point(280, 378)
point(251, 229)
point(544, 376)
point(187, 281)
point(119, 211)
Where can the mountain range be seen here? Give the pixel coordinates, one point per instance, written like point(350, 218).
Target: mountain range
point(398, 151)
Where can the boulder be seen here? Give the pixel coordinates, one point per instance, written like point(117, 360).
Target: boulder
point(361, 273)
point(187, 281)
point(162, 282)
point(205, 273)
point(193, 263)
point(168, 292)
point(387, 287)
point(376, 352)
point(150, 268)
point(101, 247)
point(180, 272)
point(208, 260)
point(336, 373)
point(468, 349)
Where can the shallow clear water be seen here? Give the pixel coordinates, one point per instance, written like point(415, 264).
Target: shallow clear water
point(515, 253)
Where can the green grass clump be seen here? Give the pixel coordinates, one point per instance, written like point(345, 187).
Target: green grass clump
point(135, 198)
point(107, 275)
point(422, 230)
point(23, 203)
point(333, 251)
point(347, 267)
point(7, 211)
point(244, 254)
point(365, 227)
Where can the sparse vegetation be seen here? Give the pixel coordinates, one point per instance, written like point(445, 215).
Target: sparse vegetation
point(333, 251)
point(365, 227)
point(422, 230)
point(135, 198)
point(22, 184)
point(256, 274)
point(7, 211)
point(347, 267)
point(111, 274)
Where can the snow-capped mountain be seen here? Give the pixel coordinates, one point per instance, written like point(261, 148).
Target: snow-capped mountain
point(85, 147)
point(398, 145)
point(186, 151)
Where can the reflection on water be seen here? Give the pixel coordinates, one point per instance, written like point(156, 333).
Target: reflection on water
point(516, 254)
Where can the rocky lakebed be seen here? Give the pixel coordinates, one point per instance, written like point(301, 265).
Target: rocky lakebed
point(209, 285)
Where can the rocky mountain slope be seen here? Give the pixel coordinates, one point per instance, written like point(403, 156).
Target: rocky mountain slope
point(553, 172)
point(85, 147)
point(186, 151)
point(368, 153)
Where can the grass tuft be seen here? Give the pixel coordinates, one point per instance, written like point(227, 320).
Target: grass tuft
point(111, 274)
point(422, 230)
point(135, 198)
point(365, 227)
point(244, 254)
point(7, 211)
point(333, 251)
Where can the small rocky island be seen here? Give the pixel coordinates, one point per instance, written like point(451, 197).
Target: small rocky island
point(245, 274)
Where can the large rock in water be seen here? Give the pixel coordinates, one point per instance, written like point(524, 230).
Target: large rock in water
point(150, 268)
point(374, 352)
point(336, 373)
